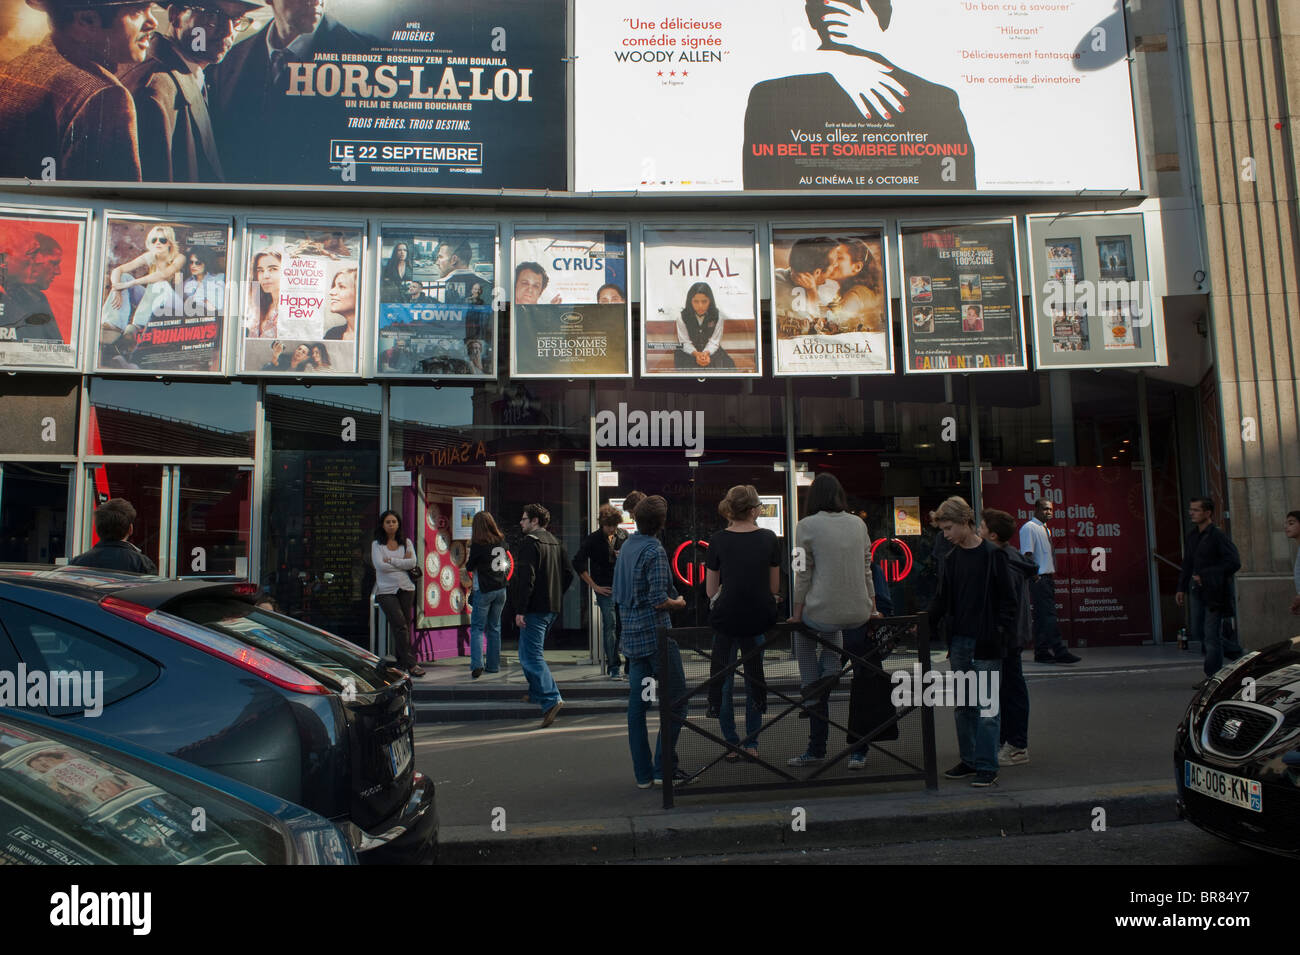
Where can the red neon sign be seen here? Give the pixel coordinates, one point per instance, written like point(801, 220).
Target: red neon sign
point(689, 577)
point(895, 570)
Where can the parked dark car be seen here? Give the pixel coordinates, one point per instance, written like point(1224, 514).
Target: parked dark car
point(1237, 752)
point(72, 796)
point(193, 669)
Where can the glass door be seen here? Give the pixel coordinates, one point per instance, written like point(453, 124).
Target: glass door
point(34, 507)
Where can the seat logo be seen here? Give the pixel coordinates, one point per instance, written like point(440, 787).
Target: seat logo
point(1231, 728)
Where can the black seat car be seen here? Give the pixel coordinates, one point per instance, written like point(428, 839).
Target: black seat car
point(193, 669)
point(1237, 752)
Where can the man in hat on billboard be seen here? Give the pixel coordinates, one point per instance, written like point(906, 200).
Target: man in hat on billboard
point(264, 134)
point(177, 143)
point(63, 113)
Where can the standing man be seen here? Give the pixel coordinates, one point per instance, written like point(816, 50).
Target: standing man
point(27, 269)
point(114, 523)
point(61, 100)
point(644, 595)
point(978, 598)
point(997, 527)
point(264, 134)
point(594, 562)
point(542, 575)
point(1292, 530)
point(1036, 544)
point(1209, 561)
point(177, 143)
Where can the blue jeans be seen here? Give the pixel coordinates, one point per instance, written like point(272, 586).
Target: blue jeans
point(486, 614)
point(641, 670)
point(1047, 635)
point(977, 735)
point(609, 632)
point(817, 660)
point(725, 651)
point(541, 686)
point(1015, 701)
point(1206, 625)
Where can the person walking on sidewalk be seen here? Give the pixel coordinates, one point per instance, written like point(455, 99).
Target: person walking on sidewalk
point(542, 575)
point(997, 527)
point(594, 563)
point(115, 523)
point(833, 592)
point(393, 557)
point(1036, 544)
point(643, 593)
point(1209, 561)
point(488, 563)
point(977, 596)
point(741, 579)
point(1292, 530)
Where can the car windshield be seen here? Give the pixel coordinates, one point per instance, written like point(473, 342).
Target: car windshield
point(330, 659)
point(60, 805)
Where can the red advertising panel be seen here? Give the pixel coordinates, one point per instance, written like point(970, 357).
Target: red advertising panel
point(1098, 541)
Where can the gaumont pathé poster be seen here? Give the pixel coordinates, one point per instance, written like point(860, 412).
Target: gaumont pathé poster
point(830, 307)
point(436, 292)
point(163, 293)
point(699, 303)
point(570, 315)
point(41, 260)
point(854, 96)
point(436, 93)
point(961, 297)
point(303, 293)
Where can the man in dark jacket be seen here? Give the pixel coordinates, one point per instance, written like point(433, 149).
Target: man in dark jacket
point(998, 527)
point(977, 596)
point(114, 523)
point(594, 562)
point(542, 575)
point(1209, 561)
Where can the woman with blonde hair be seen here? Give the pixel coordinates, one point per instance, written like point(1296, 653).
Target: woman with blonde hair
point(343, 303)
point(162, 291)
point(742, 578)
point(265, 295)
point(488, 562)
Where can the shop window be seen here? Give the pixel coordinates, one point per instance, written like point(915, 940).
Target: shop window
point(33, 512)
point(171, 419)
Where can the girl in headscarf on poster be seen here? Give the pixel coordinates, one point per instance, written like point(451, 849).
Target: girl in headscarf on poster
point(266, 295)
point(699, 333)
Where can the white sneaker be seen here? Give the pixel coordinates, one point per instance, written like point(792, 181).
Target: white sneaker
point(858, 761)
point(1010, 755)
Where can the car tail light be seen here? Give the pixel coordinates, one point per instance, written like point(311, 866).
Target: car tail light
point(248, 658)
point(246, 590)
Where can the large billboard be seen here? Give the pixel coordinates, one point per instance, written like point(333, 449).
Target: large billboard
point(42, 255)
point(859, 96)
point(349, 93)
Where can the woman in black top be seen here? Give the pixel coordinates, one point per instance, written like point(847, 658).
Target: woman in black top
point(700, 326)
point(397, 272)
point(488, 561)
point(742, 578)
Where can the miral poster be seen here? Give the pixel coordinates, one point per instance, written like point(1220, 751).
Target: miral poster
point(699, 303)
point(860, 96)
point(437, 295)
point(303, 299)
point(961, 297)
point(42, 255)
point(342, 93)
point(830, 304)
point(163, 295)
point(570, 316)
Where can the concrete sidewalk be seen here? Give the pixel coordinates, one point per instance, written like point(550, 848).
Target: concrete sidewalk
point(809, 822)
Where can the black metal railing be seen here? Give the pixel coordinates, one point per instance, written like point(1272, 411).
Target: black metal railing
point(866, 738)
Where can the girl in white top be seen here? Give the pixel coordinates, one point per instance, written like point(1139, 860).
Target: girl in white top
point(393, 557)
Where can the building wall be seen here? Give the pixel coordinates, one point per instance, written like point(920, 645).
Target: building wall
point(1243, 59)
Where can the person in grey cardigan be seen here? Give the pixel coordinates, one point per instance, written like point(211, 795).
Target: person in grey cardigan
point(833, 592)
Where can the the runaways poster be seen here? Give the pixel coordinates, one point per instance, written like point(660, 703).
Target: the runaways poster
point(162, 295)
point(866, 96)
point(41, 260)
point(699, 303)
point(830, 306)
point(303, 299)
point(570, 315)
point(961, 297)
point(423, 93)
point(436, 301)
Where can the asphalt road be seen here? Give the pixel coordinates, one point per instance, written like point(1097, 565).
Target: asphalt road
point(1085, 728)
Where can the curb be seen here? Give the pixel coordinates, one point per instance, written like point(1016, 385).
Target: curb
point(844, 821)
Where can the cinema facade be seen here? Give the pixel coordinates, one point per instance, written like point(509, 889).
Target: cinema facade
point(304, 350)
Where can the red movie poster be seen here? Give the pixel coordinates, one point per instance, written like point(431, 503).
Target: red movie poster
point(40, 290)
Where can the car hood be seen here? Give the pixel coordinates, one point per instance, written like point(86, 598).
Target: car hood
point(1275, 671)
